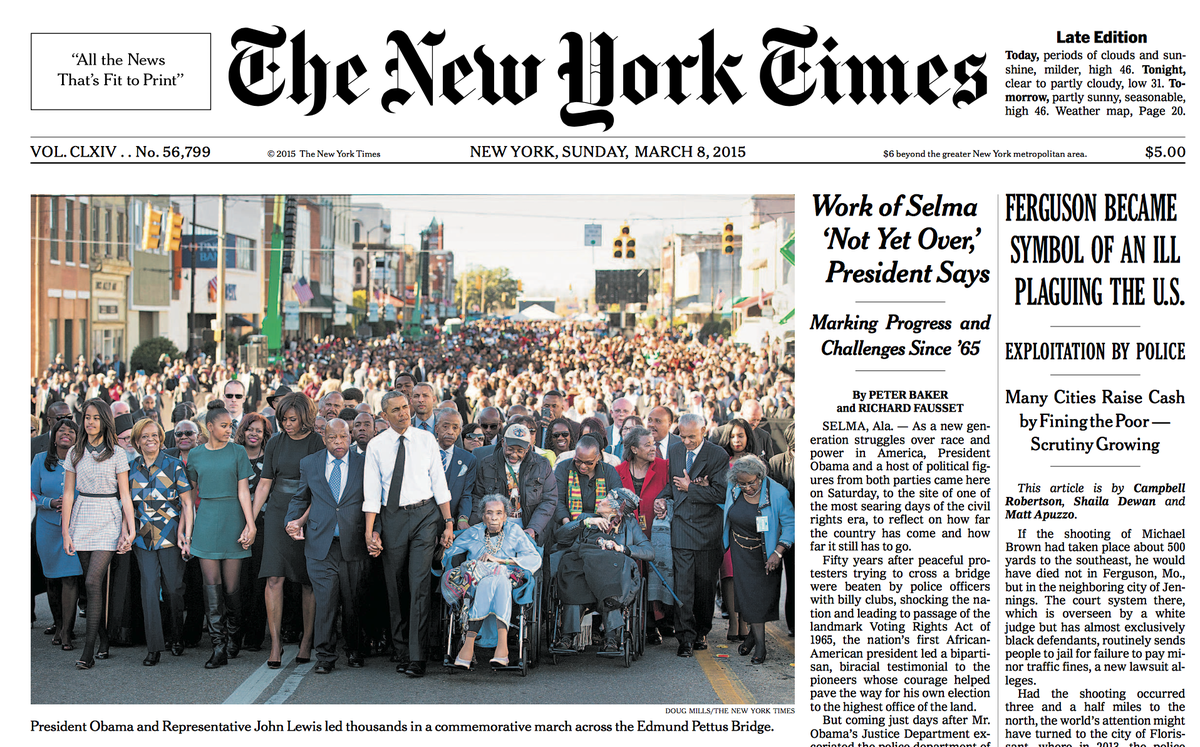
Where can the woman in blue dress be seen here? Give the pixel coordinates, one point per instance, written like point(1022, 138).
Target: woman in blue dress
point(61, 570)
point(500, 557)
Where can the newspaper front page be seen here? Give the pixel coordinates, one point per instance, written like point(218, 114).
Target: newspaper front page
point(962, 228)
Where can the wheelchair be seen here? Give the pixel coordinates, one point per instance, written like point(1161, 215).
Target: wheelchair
point(633, 635)
point(524, 632)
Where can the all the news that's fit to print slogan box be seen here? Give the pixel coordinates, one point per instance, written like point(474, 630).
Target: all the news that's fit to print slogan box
point(138, 72)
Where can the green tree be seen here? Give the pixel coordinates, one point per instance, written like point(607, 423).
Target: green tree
point(145, 355)
point(498, 283)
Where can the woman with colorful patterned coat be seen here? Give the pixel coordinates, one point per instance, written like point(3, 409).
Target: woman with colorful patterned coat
point(162, 502)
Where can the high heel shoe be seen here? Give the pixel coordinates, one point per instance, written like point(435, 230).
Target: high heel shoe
point(759, 659)
point(81, 664)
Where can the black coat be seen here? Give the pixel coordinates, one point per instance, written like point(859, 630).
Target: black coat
point(699, 517)
point(588, 574)
point(536, 483)
point(562, 476)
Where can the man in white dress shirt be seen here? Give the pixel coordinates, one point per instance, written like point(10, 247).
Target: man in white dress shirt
point(405, 489)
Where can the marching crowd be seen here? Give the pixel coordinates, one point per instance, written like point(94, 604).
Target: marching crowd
point(355, 480)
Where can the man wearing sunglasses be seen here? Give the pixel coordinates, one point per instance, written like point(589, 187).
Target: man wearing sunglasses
point(234, 395)
point(489, 420)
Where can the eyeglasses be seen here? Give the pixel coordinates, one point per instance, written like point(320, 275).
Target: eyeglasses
point(750, 484)
point(489, 426)
point(593, 463)
point(184, 433)
point(473, 437)
point(234, 396)
point(560, 435)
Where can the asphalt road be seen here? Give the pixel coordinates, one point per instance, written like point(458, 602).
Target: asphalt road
point(659, 677)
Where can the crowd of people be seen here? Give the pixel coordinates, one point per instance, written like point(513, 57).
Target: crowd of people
point(265, 506)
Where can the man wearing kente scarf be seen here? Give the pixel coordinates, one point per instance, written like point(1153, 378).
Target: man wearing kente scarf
point(582, 480)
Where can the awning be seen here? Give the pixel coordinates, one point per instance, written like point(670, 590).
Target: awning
point(237, 320)
point(752, 300)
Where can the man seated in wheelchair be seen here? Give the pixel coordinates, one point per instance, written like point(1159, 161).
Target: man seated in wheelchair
point(499, 558)
point(599, 565)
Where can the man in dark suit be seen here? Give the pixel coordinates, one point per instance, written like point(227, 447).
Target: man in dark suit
point(752, 413)
point(659, 421)
point(118, 367)
point(55, 412)
point(697, 491)
point(458, 463)
point(329, 504)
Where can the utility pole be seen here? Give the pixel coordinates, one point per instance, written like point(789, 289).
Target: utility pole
point(221, 279)
point(191, 346)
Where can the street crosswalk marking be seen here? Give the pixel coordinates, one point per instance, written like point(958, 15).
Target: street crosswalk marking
point(290, 684)
point(258, 681)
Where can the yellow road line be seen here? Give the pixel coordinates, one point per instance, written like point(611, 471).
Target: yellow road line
point(724, 682)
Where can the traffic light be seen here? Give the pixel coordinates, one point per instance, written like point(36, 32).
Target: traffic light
point(727, 238)
point(152, 230)
point(630, 244)
point(174, 231)
point(289, 234)
point(618, 249)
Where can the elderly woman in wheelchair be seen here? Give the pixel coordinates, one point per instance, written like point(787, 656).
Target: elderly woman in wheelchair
point(499, 557)
point(599, 564)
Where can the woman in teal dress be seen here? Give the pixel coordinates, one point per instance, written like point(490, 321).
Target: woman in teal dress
point(223, 529)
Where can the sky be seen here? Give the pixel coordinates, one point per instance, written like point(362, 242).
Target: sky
point(540, 237)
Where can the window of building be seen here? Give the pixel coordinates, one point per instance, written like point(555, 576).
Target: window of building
point(357, 232)
point(53, 229)
point(83, 245)
point(68, 339)
point(108, 234)
point(94, 248)
point(110, 341)
point(69, 232)
point(53, 338)
point(358, 268)
point(122, 248)
point(83, 337)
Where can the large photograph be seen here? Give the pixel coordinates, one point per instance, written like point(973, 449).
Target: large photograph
point(312, 448)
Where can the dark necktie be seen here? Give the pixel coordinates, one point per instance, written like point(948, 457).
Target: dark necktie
point(393, 501)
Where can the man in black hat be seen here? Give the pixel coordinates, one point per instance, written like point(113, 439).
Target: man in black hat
point(269, 411)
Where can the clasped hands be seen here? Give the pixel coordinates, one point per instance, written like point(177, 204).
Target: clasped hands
point(682, 483)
